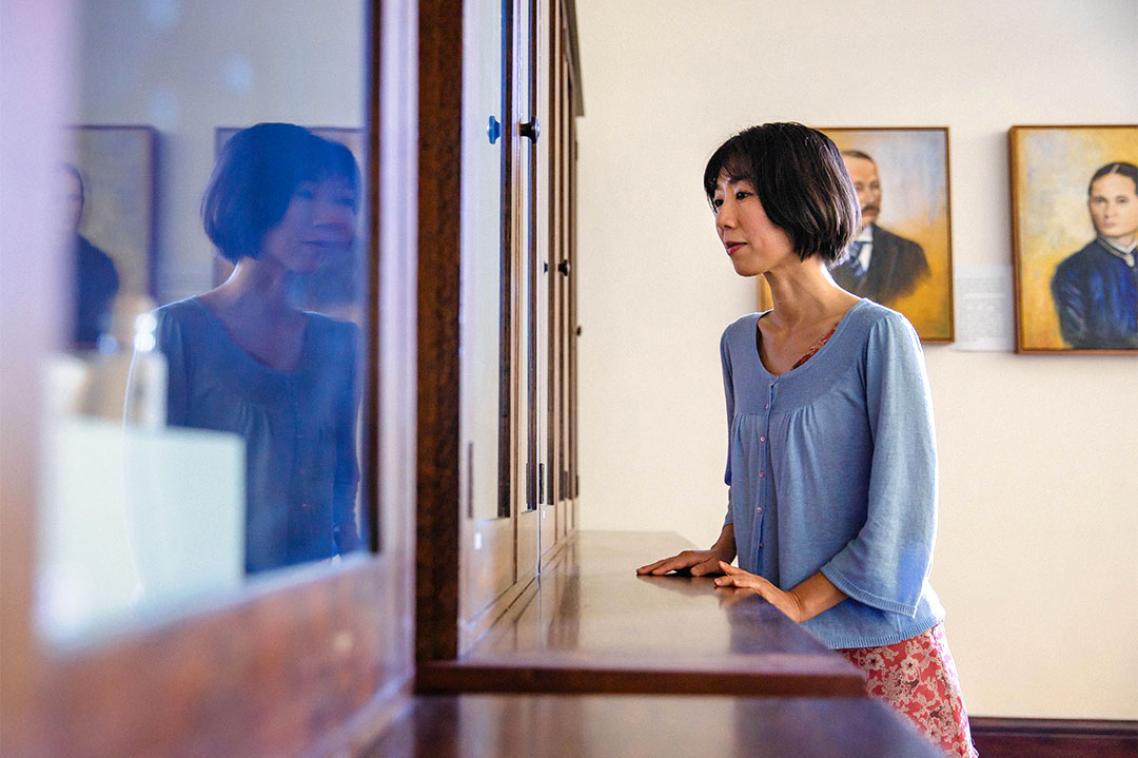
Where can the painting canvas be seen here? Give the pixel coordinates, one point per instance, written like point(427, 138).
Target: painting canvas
point(337, 289)
point(903, 255)
point(1074, 223)
point(118, 166)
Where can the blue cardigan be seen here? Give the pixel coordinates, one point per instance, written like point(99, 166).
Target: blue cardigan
point(832, 467)
point(299, 428)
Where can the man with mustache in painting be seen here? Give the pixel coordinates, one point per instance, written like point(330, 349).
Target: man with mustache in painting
point(879, 264)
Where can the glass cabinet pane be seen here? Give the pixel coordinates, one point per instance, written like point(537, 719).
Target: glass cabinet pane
point(209, 414)
point(485, 334)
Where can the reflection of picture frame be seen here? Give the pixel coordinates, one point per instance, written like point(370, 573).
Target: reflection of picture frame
point(119, 166)
point(907, 251)
point(1071, 288)
point(337, 289)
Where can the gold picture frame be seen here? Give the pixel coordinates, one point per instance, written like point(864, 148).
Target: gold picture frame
point(909, 266)
point(1051, 167)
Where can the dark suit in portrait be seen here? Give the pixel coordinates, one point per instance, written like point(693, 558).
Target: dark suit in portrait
point(896, 266)
point(1096, 298)
point(96, 280)
point(96, 285)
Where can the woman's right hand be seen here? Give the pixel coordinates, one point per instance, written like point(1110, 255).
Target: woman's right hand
point(698, 562)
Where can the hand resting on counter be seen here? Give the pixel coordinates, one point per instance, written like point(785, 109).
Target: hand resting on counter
point(694, 562)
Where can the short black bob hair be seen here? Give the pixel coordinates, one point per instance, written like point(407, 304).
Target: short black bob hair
point(1129, 170)
point(801, 180)
point(255, 178)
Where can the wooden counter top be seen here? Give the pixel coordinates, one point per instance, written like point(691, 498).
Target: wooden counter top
point(565, 726)
point(589, 624)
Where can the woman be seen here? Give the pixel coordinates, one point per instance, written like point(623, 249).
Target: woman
point(1096, 289)
point(243, 359)
point(831, 455)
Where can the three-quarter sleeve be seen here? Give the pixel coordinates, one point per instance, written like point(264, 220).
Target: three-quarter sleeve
point(729, 393)
point(885, 566)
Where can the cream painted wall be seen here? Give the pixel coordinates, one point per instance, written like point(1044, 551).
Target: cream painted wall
point(1039, 516)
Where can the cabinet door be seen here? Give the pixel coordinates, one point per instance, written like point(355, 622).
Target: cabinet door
point(488, 399)
point(511, 311)
point(276, 661)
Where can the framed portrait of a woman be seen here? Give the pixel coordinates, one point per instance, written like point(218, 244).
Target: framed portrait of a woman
point(1075, 238)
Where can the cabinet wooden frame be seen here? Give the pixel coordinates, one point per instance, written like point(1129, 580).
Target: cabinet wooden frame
point(438, 517)
point(566, 105)
point(497, 558)
point(316, 659)
point(492, 554)
point(554, 130)
point(467, 568)
point(573, 329)
point(487, 551)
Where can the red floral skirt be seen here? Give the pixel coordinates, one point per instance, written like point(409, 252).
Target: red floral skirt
point(917, 676)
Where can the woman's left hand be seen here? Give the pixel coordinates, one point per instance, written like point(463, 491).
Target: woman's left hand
point(787, 602)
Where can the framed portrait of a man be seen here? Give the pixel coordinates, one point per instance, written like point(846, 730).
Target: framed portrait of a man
point(902, 254)
point(1074, 237)
point(109, 189)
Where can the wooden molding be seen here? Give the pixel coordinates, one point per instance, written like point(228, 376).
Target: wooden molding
point(568, 674)
point(439, 284)
point(1054, 738)
point(620, 725)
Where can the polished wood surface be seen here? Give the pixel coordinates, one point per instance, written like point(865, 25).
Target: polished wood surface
point(589, 624)
point(627, 726)
point(271, 674)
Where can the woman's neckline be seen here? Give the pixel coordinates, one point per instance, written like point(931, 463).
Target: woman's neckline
point(815, 358)
point(249, 357)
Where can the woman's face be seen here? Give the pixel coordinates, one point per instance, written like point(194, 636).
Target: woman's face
point(754, 243)
point(1114, 208)
point(320, 222)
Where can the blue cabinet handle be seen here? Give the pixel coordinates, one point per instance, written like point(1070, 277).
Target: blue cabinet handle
point(494, 130)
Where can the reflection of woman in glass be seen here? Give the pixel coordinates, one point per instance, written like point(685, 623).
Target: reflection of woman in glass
point(1096, 289)
point(242, 359)
point(831, 457)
